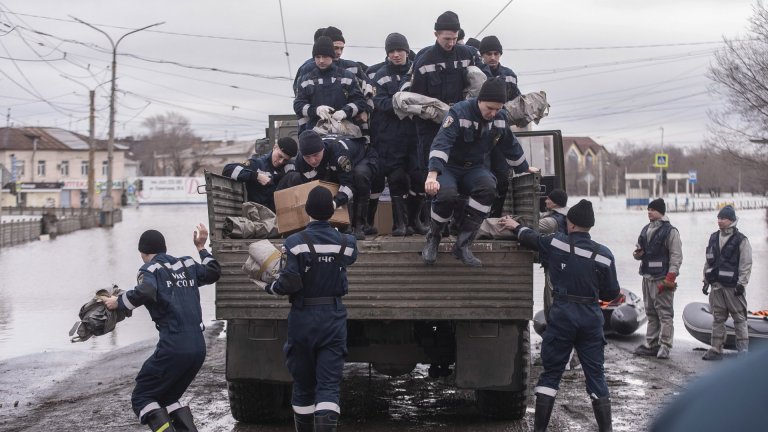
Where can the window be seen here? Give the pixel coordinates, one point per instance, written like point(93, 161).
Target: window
point(41, 168)
point(84, 168)
point(104, 166)
point(64, 168)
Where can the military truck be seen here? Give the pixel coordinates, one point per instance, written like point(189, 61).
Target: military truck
point(469, 322)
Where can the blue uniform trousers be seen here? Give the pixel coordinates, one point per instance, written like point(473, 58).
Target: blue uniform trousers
point(572, 325)
point(315, 353)
point(165, 375)
point(475, 182)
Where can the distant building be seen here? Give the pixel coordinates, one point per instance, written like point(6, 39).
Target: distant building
point(208, 155)
point(583, 158)
point(49, 167)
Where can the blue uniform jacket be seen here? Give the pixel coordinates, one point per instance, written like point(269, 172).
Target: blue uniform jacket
point(466, 138)
point(348, 65)
point(394, 139)
point(247, 172)
point(323, 276)
point(334, 87)
point(443, 74)
point(169, 288)
point(510, 78)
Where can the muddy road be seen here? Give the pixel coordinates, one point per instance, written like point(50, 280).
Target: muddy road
point(60, 392)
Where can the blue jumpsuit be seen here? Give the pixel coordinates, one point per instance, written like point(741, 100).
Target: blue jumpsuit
point(169, 288)
point(315, 278)
point(582, 271)
point(247, 172)
point(333, 87)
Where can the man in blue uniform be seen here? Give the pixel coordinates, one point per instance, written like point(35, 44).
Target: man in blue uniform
point(327, 91)
point(315, 278)
point(727, 270)
point(457, 165)
point(169, 288)
point(582, 272)
point(261, 174)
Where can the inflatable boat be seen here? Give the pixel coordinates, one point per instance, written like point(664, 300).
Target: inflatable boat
point(623, 316)
point(697, 318)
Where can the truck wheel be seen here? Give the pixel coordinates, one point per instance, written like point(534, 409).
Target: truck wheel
point(510, 405)
point(257, 401)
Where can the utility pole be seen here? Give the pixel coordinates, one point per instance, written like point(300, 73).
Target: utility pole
point(106, 203)
point(661, 170)
point(91, 150)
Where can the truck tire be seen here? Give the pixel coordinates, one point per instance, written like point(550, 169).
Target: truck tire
point(509, 404)
point(257, 401)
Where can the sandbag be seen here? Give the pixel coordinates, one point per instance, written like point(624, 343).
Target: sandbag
point(409, 104)
point(257, 221)
point(475, 80)
point(263, 263)
point(333, 126)
point(530, 107)
point(95, 318)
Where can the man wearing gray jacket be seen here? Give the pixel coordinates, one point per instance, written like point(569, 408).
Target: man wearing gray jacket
point(727, 269)
point(660, 253)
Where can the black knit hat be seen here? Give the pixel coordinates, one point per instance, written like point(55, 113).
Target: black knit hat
point(461, 35)
point(659, 205)
point(493, 90)
point(490, 43)
point(288, 146)
point(473, 43)
point(310, 143)
point(334, 33)
point(727, 212)
point(448, 21)
point(559, 197)
point(319, 204)
point(396, 41)
point(323, 46)
point(152, 242)
point(582, 214)
point(319, 32)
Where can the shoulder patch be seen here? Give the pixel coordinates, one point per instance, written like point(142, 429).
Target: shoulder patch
point(139, 278)
point(345, 163)
point(448, 121)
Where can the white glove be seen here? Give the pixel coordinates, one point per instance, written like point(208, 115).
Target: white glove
point(428, 112)
point(339, 115)
point(324, 112)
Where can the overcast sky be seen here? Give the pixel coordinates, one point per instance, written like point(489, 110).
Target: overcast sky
point(613, 70)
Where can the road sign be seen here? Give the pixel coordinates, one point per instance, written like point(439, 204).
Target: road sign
point(661, 160)
point(692, 176)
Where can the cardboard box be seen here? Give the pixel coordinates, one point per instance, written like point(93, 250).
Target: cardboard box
point(290, 202)
point(383, 219)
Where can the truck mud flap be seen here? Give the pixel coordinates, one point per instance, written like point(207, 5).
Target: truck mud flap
point(255, 350)
point(487, 354)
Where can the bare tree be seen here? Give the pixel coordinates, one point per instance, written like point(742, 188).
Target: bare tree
point(170, 139)
point(739, 127)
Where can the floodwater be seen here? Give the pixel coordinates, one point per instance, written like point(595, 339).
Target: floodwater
point(44, 283)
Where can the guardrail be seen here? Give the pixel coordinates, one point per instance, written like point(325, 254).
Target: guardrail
point(66, 221)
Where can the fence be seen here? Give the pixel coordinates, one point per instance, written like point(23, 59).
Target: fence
point(67, 221)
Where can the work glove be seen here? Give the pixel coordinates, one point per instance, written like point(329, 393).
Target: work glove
point(668, 283)
point(324, 112)
point(339, 199)
point(739, 290)
point(263, 178)
point(705, 289)
point(428, 112)
point(339, 115)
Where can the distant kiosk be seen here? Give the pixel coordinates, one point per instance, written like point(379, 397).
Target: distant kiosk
point(640, 194)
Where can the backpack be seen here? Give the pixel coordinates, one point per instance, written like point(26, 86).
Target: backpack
point(95, 318)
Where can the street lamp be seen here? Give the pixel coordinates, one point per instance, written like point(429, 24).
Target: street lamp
point(107, 200)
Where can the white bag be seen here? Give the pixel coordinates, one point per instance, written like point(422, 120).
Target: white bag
point(263, 263)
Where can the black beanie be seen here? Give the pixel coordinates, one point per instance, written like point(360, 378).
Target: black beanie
point(448, 21)
point(334, 33)
point(310, 143)
point(473, 43)
point(319, 204)
point(461, 35)
point(582, 214)
point(490, 43)
point(396, 41)
point(288, 146)
point(152, 242)
point(323, 46)
point(658, 205)
point(493, 90)
point(559, 197)
point(727, 212)
point(319, 32)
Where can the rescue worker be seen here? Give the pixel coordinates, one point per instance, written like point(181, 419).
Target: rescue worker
point(583, 272)
point(169, 288)
point(726, 270)
point(337, 38)
point(457, 165)
point(346, 161)
point(474, 43)
point(660, 253)
point(327, 91)
point(395, 142)
point(261, 174)
point(315, 278)
point(491, 51)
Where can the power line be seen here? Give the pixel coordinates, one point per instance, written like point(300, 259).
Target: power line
point(493, 19)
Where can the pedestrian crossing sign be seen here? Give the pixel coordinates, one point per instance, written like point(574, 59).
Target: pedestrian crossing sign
point(661, 160)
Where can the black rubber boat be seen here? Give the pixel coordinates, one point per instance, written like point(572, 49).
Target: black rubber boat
point(697, 318)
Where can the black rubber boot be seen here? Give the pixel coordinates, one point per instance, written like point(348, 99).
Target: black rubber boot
point(399, 217)
point(602, 409)
point(181, 419)
point(361, 215)
point(497, 207)
point(462, 249)
point(544, 405)
point(304, 422)
point(429, 253)
point(158, 420)
point(370, 228)
point(415, 206)
point(327, 422)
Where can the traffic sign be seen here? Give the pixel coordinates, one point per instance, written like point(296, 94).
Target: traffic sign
point(661, 160)
point(692, 176)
